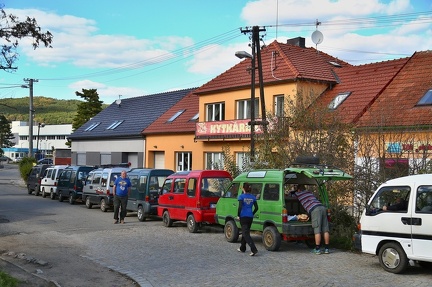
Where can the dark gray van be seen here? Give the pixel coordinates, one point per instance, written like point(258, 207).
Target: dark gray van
point(146, 184)
point(33, 181)
point(71, 182)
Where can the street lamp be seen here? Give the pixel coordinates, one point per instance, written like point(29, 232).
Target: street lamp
point(37, 142)
point(242, 55)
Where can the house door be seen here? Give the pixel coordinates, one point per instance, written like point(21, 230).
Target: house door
point(159, 159)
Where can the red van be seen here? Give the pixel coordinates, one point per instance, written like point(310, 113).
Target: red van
point(191, 196)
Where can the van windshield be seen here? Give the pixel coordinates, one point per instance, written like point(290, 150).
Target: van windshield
point(214, 186)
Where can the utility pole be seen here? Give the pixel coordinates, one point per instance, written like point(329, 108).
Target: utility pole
point(31, 114)
point(256, 57)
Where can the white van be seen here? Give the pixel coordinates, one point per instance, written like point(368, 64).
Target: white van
point(396, 224)
point(49, 181)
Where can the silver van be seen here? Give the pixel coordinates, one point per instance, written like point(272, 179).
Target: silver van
point(50, 179)
point(97, 189)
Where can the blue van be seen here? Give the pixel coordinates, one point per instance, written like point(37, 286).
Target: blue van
point(146, 184)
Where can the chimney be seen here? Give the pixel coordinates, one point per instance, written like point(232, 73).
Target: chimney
point(298, 41)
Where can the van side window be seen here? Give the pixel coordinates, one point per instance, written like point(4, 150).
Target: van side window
point(256, 189)
point(424, 199)
point(179, 185)
point(167, 186)
point(96, 178)
point(191, 187)
point(232, 191)
point(271, 192)
point(143, 185)
point(390, 199)
point(89, 178)
point(72, 177)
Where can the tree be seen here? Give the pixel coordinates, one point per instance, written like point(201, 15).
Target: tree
point(88, 109)
point(12, 30)
point(6, 135)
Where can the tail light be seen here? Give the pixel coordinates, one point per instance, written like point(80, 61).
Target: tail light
point(284, 215)
point(147, 198)
point(108, 192)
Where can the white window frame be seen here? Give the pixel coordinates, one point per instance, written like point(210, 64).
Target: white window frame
point(213, 160)
point(215, 112)
point(244, 109)
point(279, 102)
point(183, 161)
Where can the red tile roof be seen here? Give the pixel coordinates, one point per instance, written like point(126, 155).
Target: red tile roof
point(397, 104)
point(183, 123)
point(279, 62)
point(365, 82)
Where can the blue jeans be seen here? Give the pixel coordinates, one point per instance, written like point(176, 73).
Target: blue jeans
point(120, 202)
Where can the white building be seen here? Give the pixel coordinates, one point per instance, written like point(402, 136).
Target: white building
point(46, 139)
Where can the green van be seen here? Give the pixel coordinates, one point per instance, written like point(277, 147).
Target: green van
point(278, 210)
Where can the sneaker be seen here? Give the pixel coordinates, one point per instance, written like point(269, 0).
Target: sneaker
point(239, 250)
point(253, 253)
point(122, 221)
point(317, 251)
point(326, 251)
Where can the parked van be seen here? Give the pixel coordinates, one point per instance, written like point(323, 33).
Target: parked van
point(35, 177)
point(71, 182)
point(396, 224)
point(146, 184)
point(277, 217)
point(192, 196)
point(98, 187)
point(50, 179)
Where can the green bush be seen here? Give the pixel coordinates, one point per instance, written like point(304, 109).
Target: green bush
point(25, 166)
point(7, 281)
point(343, 228)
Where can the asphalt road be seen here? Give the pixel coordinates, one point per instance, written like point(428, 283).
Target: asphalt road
point(153, 255)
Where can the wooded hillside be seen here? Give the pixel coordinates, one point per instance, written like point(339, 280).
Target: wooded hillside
point(47, 110)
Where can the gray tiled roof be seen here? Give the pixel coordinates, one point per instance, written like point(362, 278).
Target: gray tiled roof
point(135, 114)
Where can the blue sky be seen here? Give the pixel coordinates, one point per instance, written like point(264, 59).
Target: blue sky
point(138, 47)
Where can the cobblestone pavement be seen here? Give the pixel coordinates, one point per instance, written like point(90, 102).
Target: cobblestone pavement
point(154, 255)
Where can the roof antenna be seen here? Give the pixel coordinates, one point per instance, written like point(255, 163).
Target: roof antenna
point(317, 36)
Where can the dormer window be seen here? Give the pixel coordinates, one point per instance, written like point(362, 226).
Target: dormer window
point(426, 99)
point(338, 100)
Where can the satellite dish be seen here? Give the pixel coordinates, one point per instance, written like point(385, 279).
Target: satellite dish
point(317, 37)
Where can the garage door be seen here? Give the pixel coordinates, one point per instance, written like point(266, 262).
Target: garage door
point(159, 159)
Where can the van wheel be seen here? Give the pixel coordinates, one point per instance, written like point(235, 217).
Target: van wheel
point(231, 231)
point(52, 195)
point(393, 258)
point(192, 225)
point(60, 197)
point(167, 221)
point(271, 238)
point(29, 191)
point(140, 213)
point(88, 204)
point(43, 192)
point(71, 199)
point(36, 191)
point(103, 205)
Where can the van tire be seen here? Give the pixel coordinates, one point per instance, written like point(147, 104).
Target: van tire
point(103, 205)
point(29, 191)
point(393, 258)
point(167, 221)
point(140, 213)
point(71, 199)
point(52, 195)
point(271, 238)
point(43, 192)
point(60, 197)
point(88, 204)
point(231, 231)
point(191, 223)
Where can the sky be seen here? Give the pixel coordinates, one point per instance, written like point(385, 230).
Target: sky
point(139, 47)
